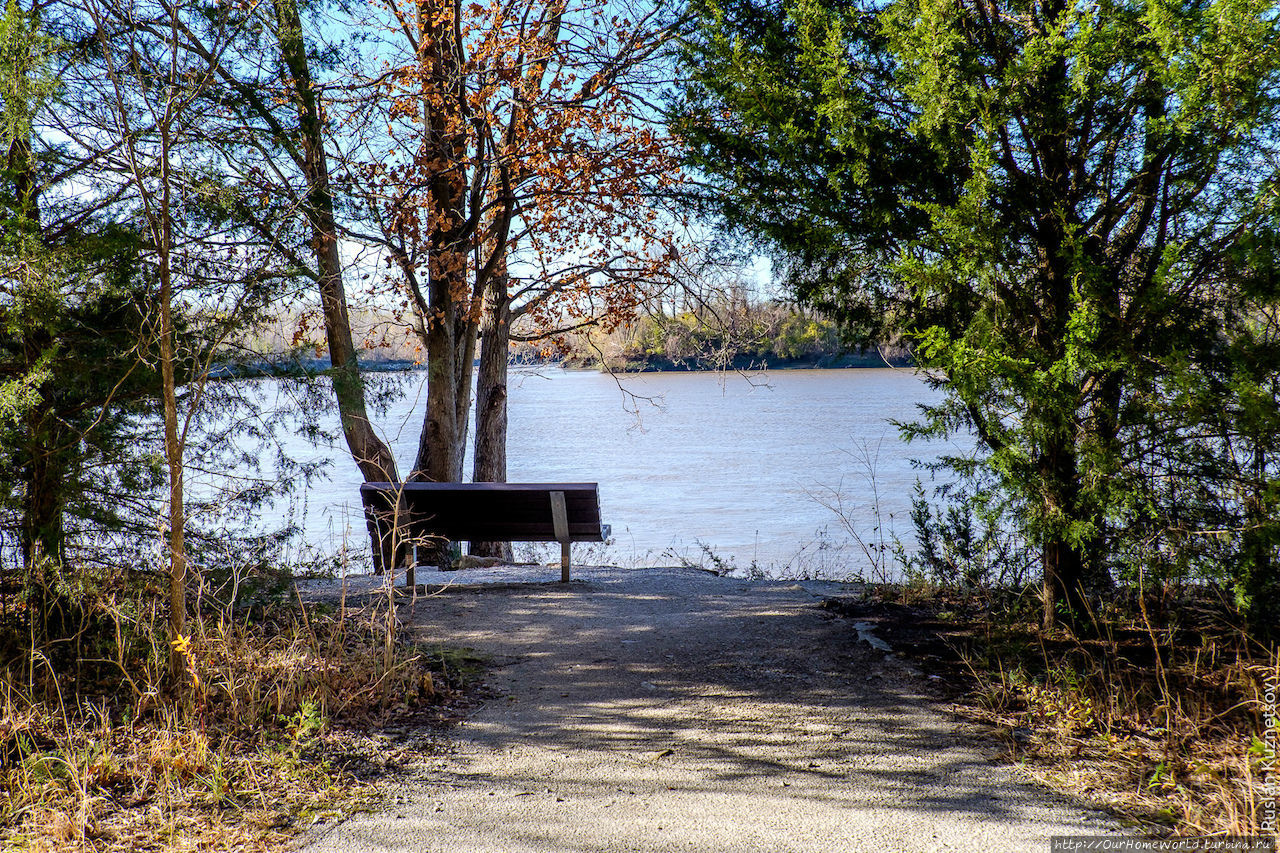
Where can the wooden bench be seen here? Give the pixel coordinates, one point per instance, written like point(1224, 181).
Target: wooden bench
point(422, 515)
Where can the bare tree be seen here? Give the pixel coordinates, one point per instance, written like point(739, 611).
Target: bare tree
point(144, 129)
point(516, 184)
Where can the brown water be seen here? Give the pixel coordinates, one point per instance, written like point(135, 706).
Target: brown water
point(692, 465)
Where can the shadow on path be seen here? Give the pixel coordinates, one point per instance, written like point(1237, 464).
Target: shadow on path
point(674, 710)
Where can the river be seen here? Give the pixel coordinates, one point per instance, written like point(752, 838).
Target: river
point(772, 473)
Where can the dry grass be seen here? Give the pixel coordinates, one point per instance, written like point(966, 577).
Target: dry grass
point(1164, 721)
point(160, 786)
point(243, 758)
point(1160, 710)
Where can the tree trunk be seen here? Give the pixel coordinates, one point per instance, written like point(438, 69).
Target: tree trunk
point(41, 526)
point(1063, 563)
point(1259, 584)
point(1105, 425)
point(1056, 415)
point(371, 454)
point(162, 231)
point(451, 349)
point(450, 321)
point(450, 352)
point(42, 537)
point(173, 451)
point(450, 328)
point(1063, 584)
point(490, 465)
point(439, 459)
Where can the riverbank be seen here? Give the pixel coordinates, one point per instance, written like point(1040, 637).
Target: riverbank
point(380, 363)
point(748, 363)
point(308, 365)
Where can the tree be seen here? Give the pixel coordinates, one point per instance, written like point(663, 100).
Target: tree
point(74, 389)
point(304, 140)
point(265, 112)
point(623, 249)
point(1047, 197)
point(268, 107)
point(149, 155)
point(516, 185)
point(29, 289)
point(208, 275)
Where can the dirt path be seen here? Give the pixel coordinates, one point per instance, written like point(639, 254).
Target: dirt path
point(672, 710)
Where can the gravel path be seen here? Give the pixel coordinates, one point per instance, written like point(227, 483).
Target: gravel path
point(673, 710)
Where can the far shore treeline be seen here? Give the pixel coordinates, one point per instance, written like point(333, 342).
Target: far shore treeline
point(716, 334)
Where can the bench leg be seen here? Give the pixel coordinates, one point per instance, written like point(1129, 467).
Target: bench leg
point(560, 522)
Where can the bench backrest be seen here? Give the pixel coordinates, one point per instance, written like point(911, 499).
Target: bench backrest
point(489, 512)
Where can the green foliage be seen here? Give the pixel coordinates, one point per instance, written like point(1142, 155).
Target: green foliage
point(1070, 209)
point(26, 79)
point(79, 379)
point(70, 340)
point(968, 538)
point(72, 331)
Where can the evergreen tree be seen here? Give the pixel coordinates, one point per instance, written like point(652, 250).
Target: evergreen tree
point(1048, 198)
point(72, 317)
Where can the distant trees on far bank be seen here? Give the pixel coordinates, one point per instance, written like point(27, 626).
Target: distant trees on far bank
point(717, 334)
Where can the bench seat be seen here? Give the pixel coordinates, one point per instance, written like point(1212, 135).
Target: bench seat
point(423, 513)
